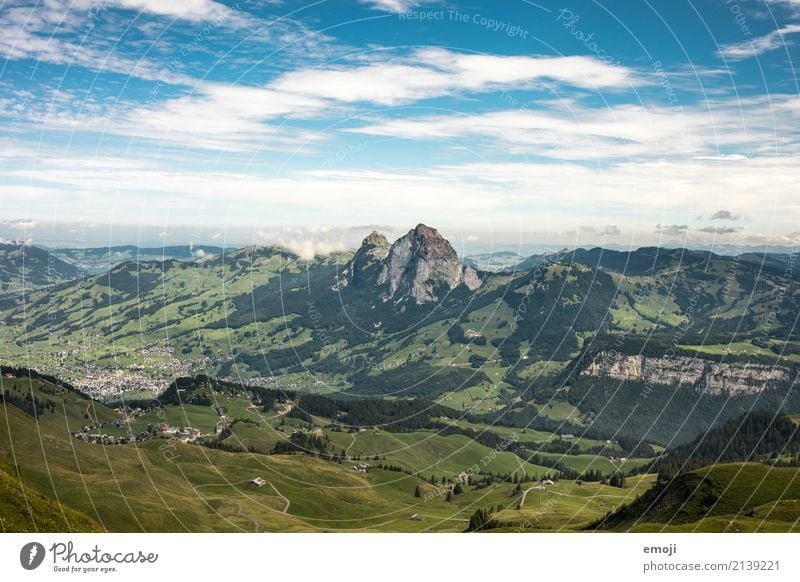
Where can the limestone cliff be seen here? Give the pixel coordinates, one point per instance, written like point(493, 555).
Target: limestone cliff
point(707, 375)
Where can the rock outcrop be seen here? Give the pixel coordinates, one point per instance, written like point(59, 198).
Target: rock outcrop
point(366, 264)
point(418, 266)
point(421, 263)
point(706, 375)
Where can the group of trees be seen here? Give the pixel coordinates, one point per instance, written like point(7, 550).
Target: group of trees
point(751, 437)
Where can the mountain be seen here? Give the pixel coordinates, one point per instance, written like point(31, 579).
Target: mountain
point(26, 266)
point(493, 262)
point(407, 319)
point(420, 266)
point(730, 497)
point(101, 259)
point(648, 260)
point(367, 263)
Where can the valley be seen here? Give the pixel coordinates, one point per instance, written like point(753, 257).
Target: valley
point(396, 388)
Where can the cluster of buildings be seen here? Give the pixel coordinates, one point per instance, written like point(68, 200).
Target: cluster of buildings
point(103, 439)
point(185, 434)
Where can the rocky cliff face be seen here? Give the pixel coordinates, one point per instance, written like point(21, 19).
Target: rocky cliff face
point(415, 267)
point(421, 262)
point(705, 375)
point(367, 264)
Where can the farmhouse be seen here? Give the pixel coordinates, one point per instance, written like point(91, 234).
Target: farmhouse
point(567, 437)
point(223, 424)
point(258, 482)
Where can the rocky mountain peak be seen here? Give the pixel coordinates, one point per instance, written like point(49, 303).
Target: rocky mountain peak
point(414, 267)
point(375, 245)
point(366, 262)
point(420, 262)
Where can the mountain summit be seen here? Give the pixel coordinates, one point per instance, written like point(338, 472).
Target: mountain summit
point(366, 264)
point(416, 266)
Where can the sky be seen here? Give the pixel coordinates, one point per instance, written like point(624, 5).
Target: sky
point(504, 124)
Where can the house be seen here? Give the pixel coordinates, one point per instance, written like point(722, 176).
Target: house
point(415, 517)
point(222, 424)
point(567, 437)
point(463, 477)
point(258, 482)
point(548, 482)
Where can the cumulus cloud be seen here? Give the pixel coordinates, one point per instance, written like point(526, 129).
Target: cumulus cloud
point(307, 249)
point(759, 45)
point(391, 5)
point(623, 131)
point(20, 224)
point(610, 230)
point(719, 229)
point(724, 215)
point(672, 229)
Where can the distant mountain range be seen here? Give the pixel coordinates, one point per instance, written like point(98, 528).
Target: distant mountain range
point(26, 267)
point(100, 259)
point(409, 319)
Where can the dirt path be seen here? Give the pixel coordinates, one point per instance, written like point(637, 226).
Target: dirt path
point(238, 504)
point(347, 450)
point(282, 496)
point(525, 494)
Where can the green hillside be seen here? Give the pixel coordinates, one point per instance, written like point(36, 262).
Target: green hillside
point(736, 497)
point(24, 510)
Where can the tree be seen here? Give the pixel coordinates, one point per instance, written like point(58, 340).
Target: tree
point(418, 492)
point(458, 489)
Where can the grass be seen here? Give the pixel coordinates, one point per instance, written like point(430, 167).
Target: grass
point(736, 497)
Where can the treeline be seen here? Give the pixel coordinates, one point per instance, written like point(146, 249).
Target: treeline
point(635, 410)
point(198, 390)
point(750, 437)
point(27, 403)
point(394, 415)
point(416, 379)
point(19, 372)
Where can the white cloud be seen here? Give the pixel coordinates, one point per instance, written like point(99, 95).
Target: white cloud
point(672, 229)
point(759, 45)
point(575, 132)
point(724, 215)
point(391, 5)
point(429, 73)
point(230, 117)
point(191, 10)
point(720, 229)
point(20, 224)
point(307, 249)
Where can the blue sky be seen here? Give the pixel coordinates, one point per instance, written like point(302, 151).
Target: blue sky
point(625, 123)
